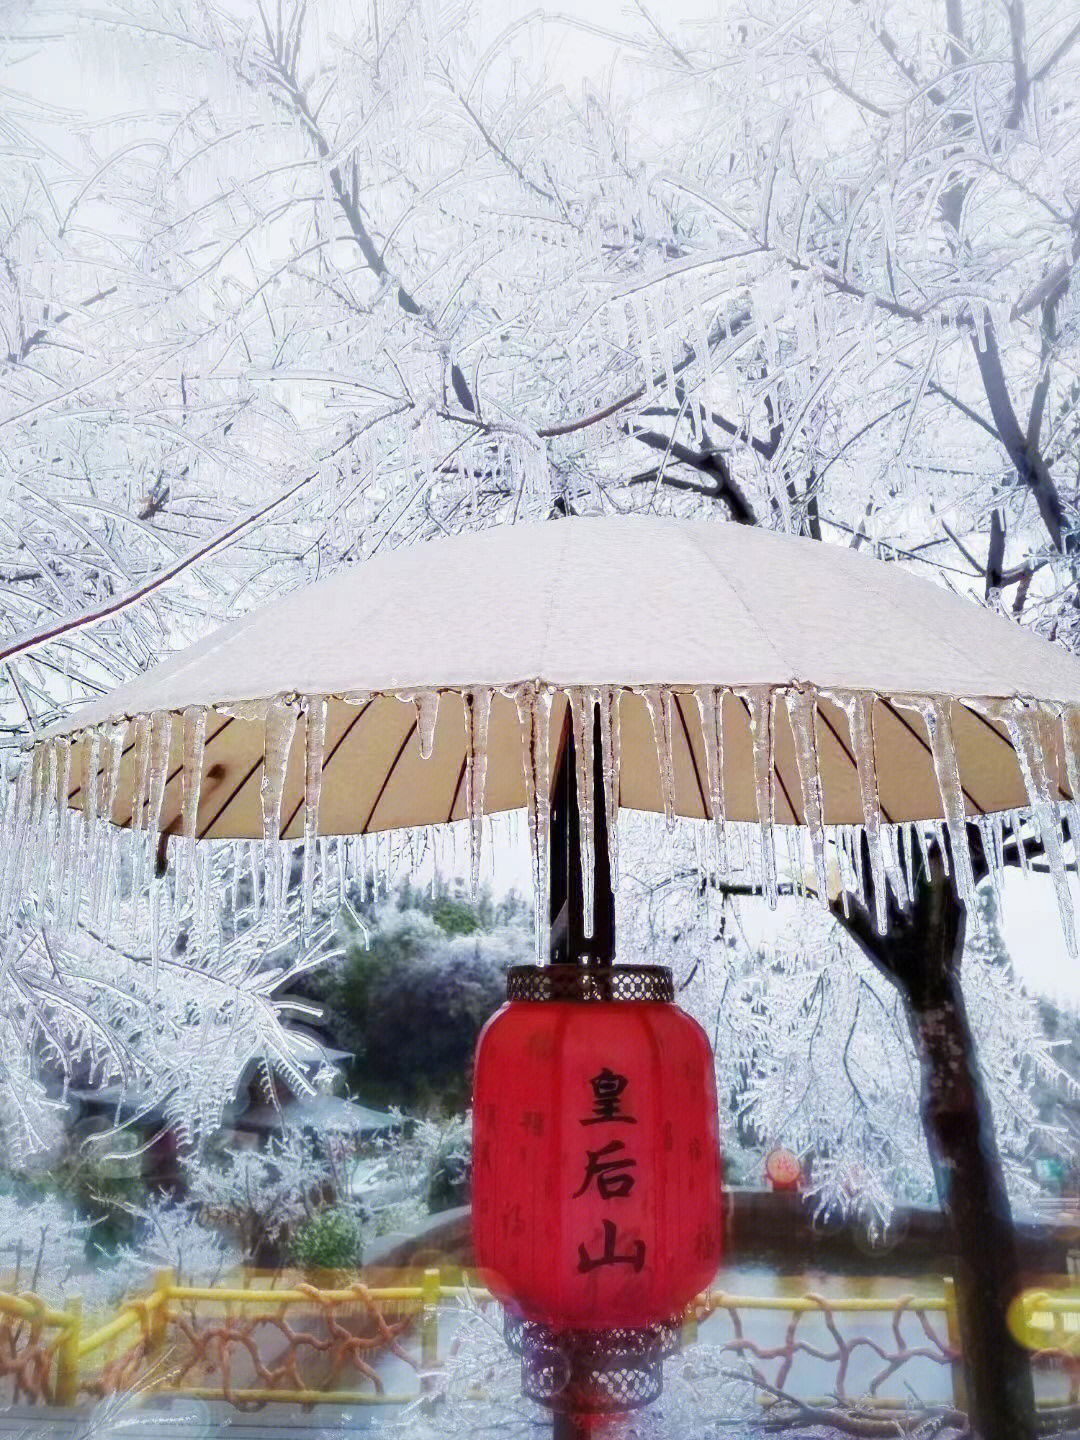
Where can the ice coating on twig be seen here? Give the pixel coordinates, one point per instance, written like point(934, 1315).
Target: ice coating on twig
point(314, 748)
point(534, 712)
point(477, 706)
point(610, 764)
point(658, 701)
point(759, 703)
point(1029, 741)
point(859, 709)
point(936, 716)
point(279, 729)
point(427, 715)
point(802, 717)
point(582, 703)
point(710, 706)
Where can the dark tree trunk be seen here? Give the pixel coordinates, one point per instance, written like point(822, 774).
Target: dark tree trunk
point(920, 953)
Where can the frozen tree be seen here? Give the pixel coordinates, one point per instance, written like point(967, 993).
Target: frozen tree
point(171, 1236)
point(180, 1018)
point(333, 278)
point(256, 1196)
point(813, 1050)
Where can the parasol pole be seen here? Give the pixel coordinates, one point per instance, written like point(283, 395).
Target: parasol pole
point(569, 943)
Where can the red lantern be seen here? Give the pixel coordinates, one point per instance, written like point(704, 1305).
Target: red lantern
point(597, 1202)
point(783, 1171)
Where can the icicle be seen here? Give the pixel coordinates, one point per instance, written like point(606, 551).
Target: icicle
point(55, 806)
point(279, 729)
point(324, 867)
point(157, 889)
point(35, 763)
point(534, 711)
point(105, 858)
point(91, 768)
point(793, 850)
point(160, 747)
point(9, 889)
point(908, 841)
point(115, 735)
point(255, 868)
point(110, 899)
point(477, 705)
point(314, 746)
point(802, 714)
point(1029, 741)
point(710, 704)
point(859, 709)
point(427, 714)
point(1015, 822)
point(998, 826)
point(193, 751)
point(659, 702)
point(581, 714)
point(610, 765)
point(65, 816)
point(937, 719)
point(847, 875)
point(855, 850)
point(894, 868)
point(1070, 736)
point(924, 854)
point(986, 833)
point(140, 772)
point(206, 894)
point(938, 829)
point(759, 699)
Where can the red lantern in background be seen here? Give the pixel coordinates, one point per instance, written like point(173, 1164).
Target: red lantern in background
point(783, 1171)
point(597, 1204)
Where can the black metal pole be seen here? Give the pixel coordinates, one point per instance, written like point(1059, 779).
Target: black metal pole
point(569, 943)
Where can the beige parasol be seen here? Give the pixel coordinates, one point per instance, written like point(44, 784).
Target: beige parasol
point(739, 673)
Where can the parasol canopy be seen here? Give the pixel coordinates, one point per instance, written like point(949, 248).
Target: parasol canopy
point(740, 675)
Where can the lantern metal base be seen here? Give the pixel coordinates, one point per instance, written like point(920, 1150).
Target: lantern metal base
point(591, 1372)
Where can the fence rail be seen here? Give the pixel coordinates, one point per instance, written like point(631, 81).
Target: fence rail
point(259, 1343)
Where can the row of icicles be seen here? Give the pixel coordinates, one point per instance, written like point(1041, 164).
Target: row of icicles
point(54, 853)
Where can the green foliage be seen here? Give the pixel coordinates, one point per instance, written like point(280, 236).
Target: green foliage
point(456, 917)
point(446, 1150)
point(329, 1241)
point(410, 1001)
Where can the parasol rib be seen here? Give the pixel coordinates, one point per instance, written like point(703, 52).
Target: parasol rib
point(693, 758)
point(389, 776)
